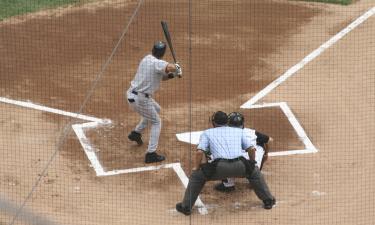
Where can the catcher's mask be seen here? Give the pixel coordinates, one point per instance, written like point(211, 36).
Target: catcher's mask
point(159, 49)
point(219, 119)
point(236, 119)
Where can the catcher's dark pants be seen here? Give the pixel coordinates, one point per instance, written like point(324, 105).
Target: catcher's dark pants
point(224, 170)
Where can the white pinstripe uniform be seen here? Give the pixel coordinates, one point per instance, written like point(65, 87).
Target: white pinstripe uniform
point(146, 81)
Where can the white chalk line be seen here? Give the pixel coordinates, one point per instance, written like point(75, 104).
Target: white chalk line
point(31, 105)
point(95, 163)
point(137, 169)
point(310, 148)
point(185, 180)
point(90, 151)
point(309, 58)
point(78, 128)
point(193, 137)
point(297, 127)
point(302, 136)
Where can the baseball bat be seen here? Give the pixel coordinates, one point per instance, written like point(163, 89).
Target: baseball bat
point(167, 35)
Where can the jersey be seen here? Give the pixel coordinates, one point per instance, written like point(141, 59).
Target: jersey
point(146, 81)
point(225, 142)
point(149, 75)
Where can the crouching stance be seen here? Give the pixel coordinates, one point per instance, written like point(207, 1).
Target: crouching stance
point(236, 119)
point(226, 144)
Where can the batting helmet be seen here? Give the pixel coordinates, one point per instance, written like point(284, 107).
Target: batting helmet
point(236, 119)
point(159, 49)
point(219, 118)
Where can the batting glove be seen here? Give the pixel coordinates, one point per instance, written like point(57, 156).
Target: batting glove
point(178, 69)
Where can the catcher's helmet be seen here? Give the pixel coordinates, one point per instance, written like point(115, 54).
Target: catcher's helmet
point(236, 119)
point(219, 118)
point(159, 49)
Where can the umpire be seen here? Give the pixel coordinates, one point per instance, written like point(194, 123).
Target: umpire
point(226, 145)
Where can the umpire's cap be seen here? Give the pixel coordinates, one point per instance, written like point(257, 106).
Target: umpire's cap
point(236, 119)
point(159, 49)
point(219, 118)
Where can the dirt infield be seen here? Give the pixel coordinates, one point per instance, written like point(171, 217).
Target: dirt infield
point(52, 58)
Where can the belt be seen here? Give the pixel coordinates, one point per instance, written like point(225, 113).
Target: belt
point(145, 94)
point(249, 165)
point(229, 160)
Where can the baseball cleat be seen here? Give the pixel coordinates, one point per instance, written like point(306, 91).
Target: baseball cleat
point(135, 136)
point(221, 187)
point(185, 210)
point(269, 203)
point(153, 157)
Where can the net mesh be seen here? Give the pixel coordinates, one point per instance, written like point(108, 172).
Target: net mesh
point(300, 72)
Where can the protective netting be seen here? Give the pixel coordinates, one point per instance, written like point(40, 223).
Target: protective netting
point(300, 72)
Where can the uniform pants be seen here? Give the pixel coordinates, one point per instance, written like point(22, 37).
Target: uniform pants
point(223, 170)
point(149, 110)
point(229, 182)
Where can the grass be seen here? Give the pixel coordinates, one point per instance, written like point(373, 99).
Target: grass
point(10, 8)
point(342, 2)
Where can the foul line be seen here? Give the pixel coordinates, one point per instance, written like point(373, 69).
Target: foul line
point(309, 58)
point(95, 122)
point(31, 105)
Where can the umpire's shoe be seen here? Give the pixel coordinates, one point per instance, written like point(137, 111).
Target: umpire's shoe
point(153, 157)
point(269, 203)
point(185, 210)
point(221, 187)
point(135, 136)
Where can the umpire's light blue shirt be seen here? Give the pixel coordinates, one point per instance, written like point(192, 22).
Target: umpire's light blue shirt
point(225, 142)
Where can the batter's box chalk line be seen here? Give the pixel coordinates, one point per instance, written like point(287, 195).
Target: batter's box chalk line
point(314, 54)
point(90, 151)
point(91, 155)
point(193, 137)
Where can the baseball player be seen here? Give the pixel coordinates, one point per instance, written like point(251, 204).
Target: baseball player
point(151, 71)
point(226, 145)
point(236, 119)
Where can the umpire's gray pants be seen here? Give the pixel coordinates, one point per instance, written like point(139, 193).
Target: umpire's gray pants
point(149, 110)
point(224, 170)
